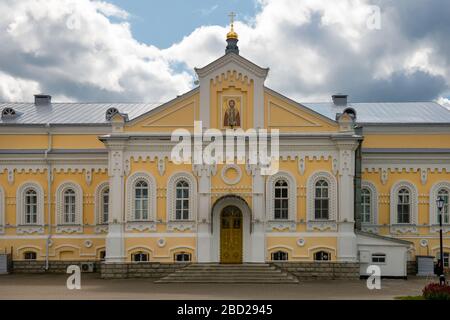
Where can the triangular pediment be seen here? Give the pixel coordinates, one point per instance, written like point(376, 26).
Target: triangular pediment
point(224, 63)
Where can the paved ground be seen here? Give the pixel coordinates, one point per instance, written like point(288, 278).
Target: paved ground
point(92, 287)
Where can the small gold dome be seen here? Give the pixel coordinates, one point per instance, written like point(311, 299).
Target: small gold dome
point(232, 34)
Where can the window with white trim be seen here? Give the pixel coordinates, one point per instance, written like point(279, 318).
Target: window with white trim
point(322, 256)
point(182, 200)
point(378, 258)
point(31, 206)
point(104, 198)
point(321, 200)
point(141, 200)
point(140, 257)
point(366, 205)
point(404, 206)
point(443, 193)
point(69, 205)
point(281, 205)
point(280, 256)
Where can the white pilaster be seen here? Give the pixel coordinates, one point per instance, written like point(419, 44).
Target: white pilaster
point(115, 242)
point(258, 243)
point(204, 214)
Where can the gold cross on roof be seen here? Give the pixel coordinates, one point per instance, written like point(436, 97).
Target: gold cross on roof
point(232, 15)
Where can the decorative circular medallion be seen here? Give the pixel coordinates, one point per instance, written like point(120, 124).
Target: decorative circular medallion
point(161, 242)
point(423, 243)
point(301, 242)
point(88, 243)
point(231, 174)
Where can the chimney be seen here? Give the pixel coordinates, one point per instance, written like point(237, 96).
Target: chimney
point(42, 99)
point(340, 99)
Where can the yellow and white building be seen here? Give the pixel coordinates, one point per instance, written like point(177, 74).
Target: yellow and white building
point(356, 181)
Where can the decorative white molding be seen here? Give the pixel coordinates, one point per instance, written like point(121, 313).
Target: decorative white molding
point(292, 194)
point(320, 225)
point(87, 243)
point(423, 175)
point(101, 228)
point(10, 176)
point(69, 229)
point(161, 242)
point(130, 191)
point(88, 177)
point(181, 225)
point(161, 166)
point(373, 201)
point(20, 203)
point(403, 228)
point(301, 242)
point(435, 228)
point(301, 165)
point(98, 202)
point(310, 196)
point(434, 214)
point(29, 229)
point(395, 226)
point(72, 227)
point(140, 226)
point(384, 176)
point(231, 167)
point(171, 195)
point(372, 228)
point(280, 226)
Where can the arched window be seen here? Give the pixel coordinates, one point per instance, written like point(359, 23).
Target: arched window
point(366, 205)
point(443, 193)
point(31, 206)
point(69, 206)
point(104, 217)
point(182, 257)
point(141, 200)
point(446, 258)
point(140, 257)
point(281, 205)
point(280, 256)
point(29, 255)
point(321, 200)
point(404, 206)
point(322, 256)
point(182, 200)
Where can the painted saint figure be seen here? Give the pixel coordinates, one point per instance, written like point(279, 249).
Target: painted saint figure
point(232, 117)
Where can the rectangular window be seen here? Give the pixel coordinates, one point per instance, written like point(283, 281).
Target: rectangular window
point(378, 258)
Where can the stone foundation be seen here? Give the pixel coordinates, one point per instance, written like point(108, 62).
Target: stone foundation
point(321, 270)
point(152, 270)
point(38, 266)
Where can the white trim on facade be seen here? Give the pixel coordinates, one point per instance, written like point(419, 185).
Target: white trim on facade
point(172, 222)
point(281, 224)
point(434, 222)
point(330, 223)
point(2, 210)
point(371, 226)
point(413, 219)
point(77, 226)
point(23, 227)
point(98, 204)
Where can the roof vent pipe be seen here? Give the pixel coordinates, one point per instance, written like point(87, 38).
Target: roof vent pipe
point(340, 99)
point(42, 99)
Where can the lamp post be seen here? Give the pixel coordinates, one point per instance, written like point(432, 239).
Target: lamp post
point(440, 202)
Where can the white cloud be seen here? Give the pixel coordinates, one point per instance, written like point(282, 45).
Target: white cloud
point(314, 48)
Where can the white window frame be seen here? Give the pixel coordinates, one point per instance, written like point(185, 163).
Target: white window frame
point(378, 256)
point(373, 202)
point(63, 226)
point(330, 223)
point(20, 206)
point(279, 251)
point(434, 222)
point(130, 190)
point(171, 196)
point(413, 194)
point(99, 214)
point(292, 196)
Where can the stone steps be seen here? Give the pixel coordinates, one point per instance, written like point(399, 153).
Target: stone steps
point(229, 273)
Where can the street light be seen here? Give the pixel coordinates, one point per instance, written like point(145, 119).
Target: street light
point(440, 202)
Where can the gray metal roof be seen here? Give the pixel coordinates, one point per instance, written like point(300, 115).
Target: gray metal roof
point(71, 113)
point(387, 112)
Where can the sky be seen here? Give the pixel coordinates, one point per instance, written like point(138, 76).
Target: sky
point(145, 51)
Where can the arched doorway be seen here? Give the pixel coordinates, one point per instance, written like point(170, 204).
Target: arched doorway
point(231, 227)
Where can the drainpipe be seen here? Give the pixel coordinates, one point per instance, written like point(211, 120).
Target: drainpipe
point(49, 196)
point(357, 180)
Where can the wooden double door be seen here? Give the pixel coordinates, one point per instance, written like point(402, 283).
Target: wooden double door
point(231, 235)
